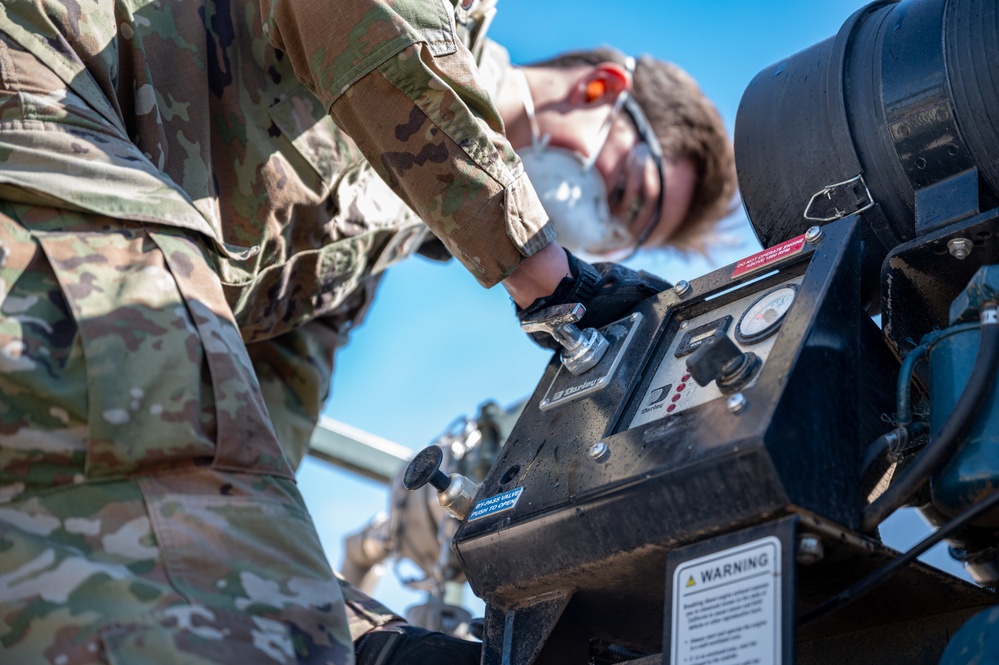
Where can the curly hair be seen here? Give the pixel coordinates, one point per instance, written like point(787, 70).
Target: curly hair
point(687, 125)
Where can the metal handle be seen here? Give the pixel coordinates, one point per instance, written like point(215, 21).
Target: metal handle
point(581, 349)
point(455, 492)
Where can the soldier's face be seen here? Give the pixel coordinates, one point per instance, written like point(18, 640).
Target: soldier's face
point(624, 162)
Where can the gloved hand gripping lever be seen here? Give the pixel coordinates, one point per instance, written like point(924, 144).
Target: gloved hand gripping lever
point(581, 349)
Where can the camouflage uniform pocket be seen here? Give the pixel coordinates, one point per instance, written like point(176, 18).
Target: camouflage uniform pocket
point(148, 400)
point(168, 380)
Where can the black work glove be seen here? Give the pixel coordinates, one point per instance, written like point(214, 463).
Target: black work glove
point(411, 645)
point(608, 291)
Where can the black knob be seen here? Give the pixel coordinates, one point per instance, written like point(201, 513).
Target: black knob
point(426, 468)
point(719, 359)
point(708, 362)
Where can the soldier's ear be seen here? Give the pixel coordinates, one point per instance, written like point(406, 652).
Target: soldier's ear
point(600, 84)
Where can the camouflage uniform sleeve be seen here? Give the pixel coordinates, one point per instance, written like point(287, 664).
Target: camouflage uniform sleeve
point(363, 612)
point(394, 77)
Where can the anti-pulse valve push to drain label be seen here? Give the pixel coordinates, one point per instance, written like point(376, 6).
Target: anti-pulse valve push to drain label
point(727, 607)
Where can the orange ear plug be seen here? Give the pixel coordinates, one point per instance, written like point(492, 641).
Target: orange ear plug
point(595, 90)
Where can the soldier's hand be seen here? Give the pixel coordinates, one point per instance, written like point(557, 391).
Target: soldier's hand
point(608, 291)
point(411, 645)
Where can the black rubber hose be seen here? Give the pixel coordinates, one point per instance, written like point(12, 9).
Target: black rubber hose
point(936, 452)
point(885, 451)
point(882, 574)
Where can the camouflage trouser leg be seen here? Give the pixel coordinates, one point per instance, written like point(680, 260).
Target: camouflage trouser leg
point(146, 514)
point(190, 568)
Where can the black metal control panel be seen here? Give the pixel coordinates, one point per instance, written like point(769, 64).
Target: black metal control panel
point(596, 490)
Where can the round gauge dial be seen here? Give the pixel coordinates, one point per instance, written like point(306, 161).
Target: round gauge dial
point(765, 315)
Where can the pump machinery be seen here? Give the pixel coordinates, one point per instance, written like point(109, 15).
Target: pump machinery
point(702, 481)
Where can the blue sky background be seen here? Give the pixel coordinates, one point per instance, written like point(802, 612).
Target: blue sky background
point(435, 345)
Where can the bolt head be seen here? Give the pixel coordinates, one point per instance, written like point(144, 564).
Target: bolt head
point(810, 549)
point(813, 234)
point(599, 451)
point(960, 248)
point(736, 402)
point(682, 287)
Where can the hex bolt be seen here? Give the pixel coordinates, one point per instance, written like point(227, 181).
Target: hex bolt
point(960, 248)
point(813, 235)
point(810, 549)
point(681, 288)
point(599, 451)
point(736, 402)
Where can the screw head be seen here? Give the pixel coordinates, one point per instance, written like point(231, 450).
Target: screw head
point(810, 549)
point(960, 248)
point(736, 402)
point(682, 287)
point(599, 451)
point(813, 235)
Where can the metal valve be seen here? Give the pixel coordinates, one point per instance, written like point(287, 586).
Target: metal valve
point(581, 349)
point(455, 493)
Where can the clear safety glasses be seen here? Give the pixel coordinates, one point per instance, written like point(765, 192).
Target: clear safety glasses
point(644, 161)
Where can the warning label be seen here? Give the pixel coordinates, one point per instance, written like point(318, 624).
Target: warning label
point(768, 256)
point(727, 607)
point(496, 504)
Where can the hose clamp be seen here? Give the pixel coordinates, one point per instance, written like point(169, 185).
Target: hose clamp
point(990, 316)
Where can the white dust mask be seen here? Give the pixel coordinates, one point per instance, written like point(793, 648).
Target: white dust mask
point(571, 190)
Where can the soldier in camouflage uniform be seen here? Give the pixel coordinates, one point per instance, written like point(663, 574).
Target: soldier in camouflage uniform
point(168, 192)
point(173, 187)
point(697, 163)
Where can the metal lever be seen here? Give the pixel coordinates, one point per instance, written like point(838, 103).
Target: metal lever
point(455, 492)
point(581, 349)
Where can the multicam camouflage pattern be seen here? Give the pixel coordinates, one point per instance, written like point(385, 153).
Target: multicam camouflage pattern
point(363, 612)
point(169, 192)
point(188, 107)
point(148, 511)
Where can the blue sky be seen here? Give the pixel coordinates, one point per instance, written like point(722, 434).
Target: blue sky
point(435, 345)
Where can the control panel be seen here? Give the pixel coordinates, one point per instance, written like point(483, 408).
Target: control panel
point(750, 322)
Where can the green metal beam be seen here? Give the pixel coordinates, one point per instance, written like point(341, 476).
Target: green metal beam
point(356, 450)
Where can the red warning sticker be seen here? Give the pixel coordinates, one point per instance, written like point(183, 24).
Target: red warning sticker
point(768, 256)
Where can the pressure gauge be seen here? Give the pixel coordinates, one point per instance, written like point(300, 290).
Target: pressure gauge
point(764, 316)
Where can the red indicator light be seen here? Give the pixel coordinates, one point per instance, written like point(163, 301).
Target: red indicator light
point(680, 387)
point(671, 408)
point(676, 398)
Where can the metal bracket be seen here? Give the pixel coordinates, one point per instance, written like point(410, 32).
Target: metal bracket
point(834, 202)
